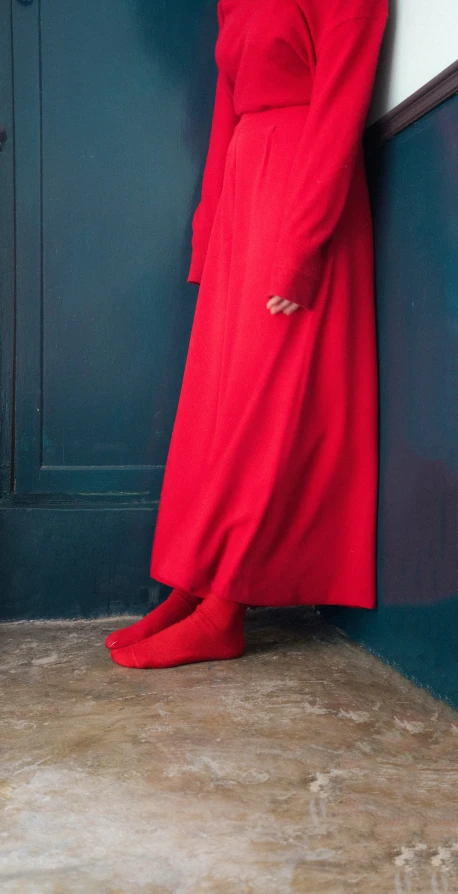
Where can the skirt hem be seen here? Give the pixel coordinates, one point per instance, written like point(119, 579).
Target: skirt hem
point(253, 601)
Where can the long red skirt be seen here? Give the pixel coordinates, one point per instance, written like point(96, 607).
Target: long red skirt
point(269, 495)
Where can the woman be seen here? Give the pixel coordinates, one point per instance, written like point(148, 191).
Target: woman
point(270, 488)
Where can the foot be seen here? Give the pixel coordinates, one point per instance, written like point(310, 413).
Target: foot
point(213, 632)
point(177, 606)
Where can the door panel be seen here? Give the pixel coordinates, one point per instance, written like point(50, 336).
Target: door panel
point(112, 106)
point(98, 228)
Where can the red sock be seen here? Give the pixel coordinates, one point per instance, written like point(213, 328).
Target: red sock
point(213, 632)
point(178, 605)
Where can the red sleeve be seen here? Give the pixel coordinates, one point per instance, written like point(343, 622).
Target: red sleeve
point(320, 178)
point(222, 126)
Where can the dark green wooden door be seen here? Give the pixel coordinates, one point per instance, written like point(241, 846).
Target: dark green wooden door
point(106, 107)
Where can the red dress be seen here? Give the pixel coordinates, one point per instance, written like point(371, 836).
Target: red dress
point(269, 495)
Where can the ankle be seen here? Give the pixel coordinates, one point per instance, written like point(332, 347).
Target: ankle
point(189, 598)
point(225, 614)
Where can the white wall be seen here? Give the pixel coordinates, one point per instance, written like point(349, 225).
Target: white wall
point(420, 40)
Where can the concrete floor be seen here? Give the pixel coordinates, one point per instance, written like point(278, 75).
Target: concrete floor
point(305, 766)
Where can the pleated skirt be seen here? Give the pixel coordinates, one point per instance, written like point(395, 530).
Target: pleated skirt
point(269, 495)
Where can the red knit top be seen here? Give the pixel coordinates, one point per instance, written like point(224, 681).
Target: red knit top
point(323, 53)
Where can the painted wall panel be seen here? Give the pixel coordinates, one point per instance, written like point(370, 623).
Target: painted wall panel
point(108, 115)
point(414, 193)
point(420, 41)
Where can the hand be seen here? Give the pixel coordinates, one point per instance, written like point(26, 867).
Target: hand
point(280, 305)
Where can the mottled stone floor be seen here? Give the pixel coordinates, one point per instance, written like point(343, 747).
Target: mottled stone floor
point(305, 766)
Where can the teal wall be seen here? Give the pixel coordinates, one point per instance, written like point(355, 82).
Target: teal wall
point(107, 106)
point(414, 193)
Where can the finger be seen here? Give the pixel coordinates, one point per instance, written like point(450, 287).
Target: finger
point(282, 305)
point(290, 310)
point(279, 307)
point(273, 300)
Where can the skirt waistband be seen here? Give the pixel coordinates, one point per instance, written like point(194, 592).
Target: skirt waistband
point(275, 113)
